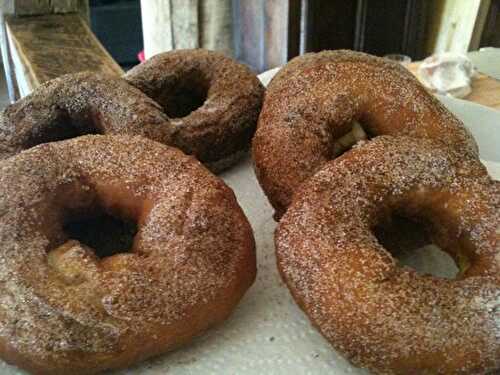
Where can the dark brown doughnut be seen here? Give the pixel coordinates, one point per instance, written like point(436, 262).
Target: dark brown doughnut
point(214, 101)
point(381, 315)
point(310, 106)
point(64, 308)
point(77, 104)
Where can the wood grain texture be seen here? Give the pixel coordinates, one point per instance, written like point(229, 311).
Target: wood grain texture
point(216, 25)
point(454, 25)
point(156, 26)
point(485, 90)
point(276, 33)
point(33, 7)
point(185, 23)
point(267, 32)
point(177, 24)
point(250, 33)
point(52, 45)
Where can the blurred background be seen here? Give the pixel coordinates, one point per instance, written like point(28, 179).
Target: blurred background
point(42, 39)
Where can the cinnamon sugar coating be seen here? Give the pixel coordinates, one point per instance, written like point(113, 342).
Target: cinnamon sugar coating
point(78, 104)
point(379, 314)
point(228, 94)
point(64, 310)
point(313, 101)
point(218, 133)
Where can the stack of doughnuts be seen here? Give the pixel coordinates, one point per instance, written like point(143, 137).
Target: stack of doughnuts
point(344, 141)
point(319, 104)
point(200, 101)
point(74, 301)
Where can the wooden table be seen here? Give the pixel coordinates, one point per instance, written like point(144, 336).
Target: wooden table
point(485, 90)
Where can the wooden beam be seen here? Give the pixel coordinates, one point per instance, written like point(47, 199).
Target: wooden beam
point(185, 23)
point(216, 25)
point(45, 47)
point(456, 26)
point(177, 24)
point(267, 32)
point(157, 28)
point(250, 33)
point(479, 25)
point(275, 33)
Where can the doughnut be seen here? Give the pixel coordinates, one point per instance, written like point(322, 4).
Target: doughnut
point(379, 314)
point(67, 308)
point(320, 104)
point(78, 104)
point(212, 100)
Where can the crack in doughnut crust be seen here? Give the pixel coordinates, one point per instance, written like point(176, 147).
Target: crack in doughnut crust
point(78, 104)
point(381, 315)
point(313, 101)
point(64, 310)
point(229, 96)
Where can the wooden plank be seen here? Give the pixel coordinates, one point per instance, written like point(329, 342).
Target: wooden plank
point(276, 33)
point(185, 23)
point(52, 45)
point(250, 33)
point(477, 32)
point(455, 25)
point(485, 90)
point(216, 27)
point(267, 32)
point(157, 28)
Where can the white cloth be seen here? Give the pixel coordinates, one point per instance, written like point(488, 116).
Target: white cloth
point(447, 74)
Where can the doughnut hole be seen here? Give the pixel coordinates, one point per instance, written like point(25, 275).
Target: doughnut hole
point(184, 95)
point(347, 141)
point(63, 126)
point(409, 242)
point(105, 234)
point(95, 228)
point(103, 219)
point(435, 218)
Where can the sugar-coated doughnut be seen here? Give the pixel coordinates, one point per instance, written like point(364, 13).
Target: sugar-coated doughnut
point(213, 101)
point(66, 310)
point(319, 104)
point(379, 314)
point(78, 104)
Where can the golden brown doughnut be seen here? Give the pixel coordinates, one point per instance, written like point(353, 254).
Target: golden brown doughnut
point(380, 315)
point(310, 107)
point(64, 309)
point(213, 101)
